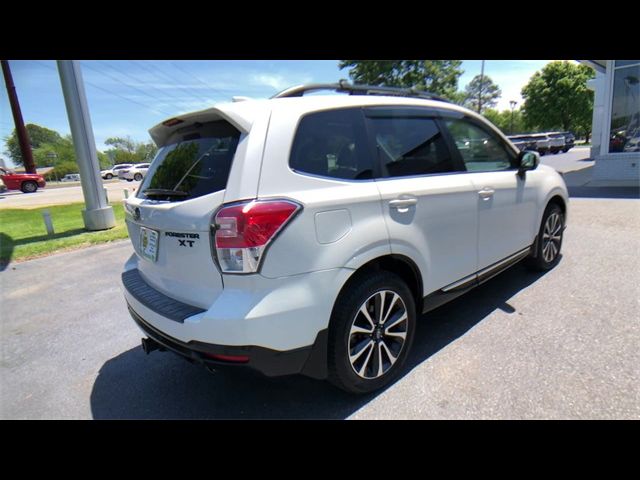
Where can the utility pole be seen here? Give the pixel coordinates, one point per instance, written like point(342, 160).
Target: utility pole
point(98, 215)
point(23, 136)
point(513, 104)
point(480, 91)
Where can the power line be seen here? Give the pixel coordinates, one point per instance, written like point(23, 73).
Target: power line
point(147, 67)
point(130, 86)
point(163, 93)
point(110, 92)
point(197, 79)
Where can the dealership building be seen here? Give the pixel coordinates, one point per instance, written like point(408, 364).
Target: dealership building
point(616, 119)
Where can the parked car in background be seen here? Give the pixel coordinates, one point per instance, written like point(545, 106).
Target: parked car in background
point(518, 141)
point(71, 177)
point(113, 172)
point(542, 143)
point(27, 182)
point(325, 227)
point(556, 142)
point(135, 172)
point(633, 145)
point(569, 140)
point(523, 142)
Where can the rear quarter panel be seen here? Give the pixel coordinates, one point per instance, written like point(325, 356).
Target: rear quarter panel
point(341, 223)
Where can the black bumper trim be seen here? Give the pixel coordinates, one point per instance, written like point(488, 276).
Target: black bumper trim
point(156, 301)
point(272, 363)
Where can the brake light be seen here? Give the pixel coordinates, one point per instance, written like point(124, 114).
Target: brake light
point(244, 230)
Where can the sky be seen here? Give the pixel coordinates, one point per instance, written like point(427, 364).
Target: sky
point(127, 97)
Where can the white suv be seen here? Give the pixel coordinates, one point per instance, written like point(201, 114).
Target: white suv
point(135, 172)
point(113, 172)
point(306, 234)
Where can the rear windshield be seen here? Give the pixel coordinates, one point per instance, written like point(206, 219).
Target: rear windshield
point(195, 161)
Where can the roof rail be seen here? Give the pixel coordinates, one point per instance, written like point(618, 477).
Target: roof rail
point(345, 87)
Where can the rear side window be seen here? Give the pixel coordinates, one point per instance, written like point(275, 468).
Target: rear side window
point(332, 144)
point(196, 161)
point(411, 146)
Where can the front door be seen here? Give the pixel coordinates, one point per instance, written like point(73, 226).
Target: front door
point(506, 203)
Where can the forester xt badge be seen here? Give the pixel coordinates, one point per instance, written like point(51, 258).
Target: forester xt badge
point(184, 239)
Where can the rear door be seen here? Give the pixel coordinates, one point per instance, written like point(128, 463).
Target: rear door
point(506, 203)
point(169, 219)
point(430, 209)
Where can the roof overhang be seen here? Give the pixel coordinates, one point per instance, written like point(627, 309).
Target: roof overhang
point(597, 65)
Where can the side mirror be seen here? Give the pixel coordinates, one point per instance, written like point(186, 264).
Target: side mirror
point(527, 160)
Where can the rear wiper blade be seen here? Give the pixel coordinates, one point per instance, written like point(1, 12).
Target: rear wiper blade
point(164, 192)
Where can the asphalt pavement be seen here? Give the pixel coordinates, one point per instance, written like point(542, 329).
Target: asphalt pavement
point(558, 345)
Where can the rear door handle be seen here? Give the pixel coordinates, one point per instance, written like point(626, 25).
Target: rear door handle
point(403, 203)
point(486, 193)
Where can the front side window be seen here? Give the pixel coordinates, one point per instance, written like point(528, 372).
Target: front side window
point(332, 144)
point(480, 151)
point(411, 146)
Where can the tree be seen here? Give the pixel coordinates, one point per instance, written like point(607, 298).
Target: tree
point(119, 143)
point(557, 97)
point(435, 76)
point(37, 136)
point(502, 120)
point(459, 98)
point(126, 150)
point(481, 93)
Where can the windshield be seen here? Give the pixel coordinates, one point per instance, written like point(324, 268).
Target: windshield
point(196, 162)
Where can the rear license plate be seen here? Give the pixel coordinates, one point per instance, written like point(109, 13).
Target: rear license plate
point(149, 243)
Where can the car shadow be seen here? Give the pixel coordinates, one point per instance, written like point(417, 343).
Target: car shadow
point(164, 386)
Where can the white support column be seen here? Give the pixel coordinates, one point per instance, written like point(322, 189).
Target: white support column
point(98, 215)
point(608, 103)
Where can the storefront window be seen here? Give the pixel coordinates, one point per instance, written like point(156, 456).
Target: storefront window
point(625, 63)
point(625, 108)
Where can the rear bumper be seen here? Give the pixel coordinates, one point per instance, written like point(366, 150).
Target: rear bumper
point(279, 323)
point(308, 361)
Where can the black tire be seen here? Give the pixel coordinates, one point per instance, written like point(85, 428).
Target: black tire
point(538, 262)
point(137, 177)
point(371, 290)
point(29, 187)
point(129, 179)
point(108, 176)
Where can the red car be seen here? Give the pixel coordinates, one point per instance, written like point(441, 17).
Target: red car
point(27, 182)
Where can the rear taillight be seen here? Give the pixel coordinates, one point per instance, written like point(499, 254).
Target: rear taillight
point(243, 231)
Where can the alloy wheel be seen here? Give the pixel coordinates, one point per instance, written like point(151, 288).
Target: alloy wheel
point(378, 334)
point(552, 237)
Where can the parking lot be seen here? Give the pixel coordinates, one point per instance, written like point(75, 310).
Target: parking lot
point(559, 345)
point(62, 195)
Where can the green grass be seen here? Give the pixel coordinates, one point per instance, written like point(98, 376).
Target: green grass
point(23, 234)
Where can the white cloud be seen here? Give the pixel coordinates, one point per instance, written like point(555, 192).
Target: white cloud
point(277, 81)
